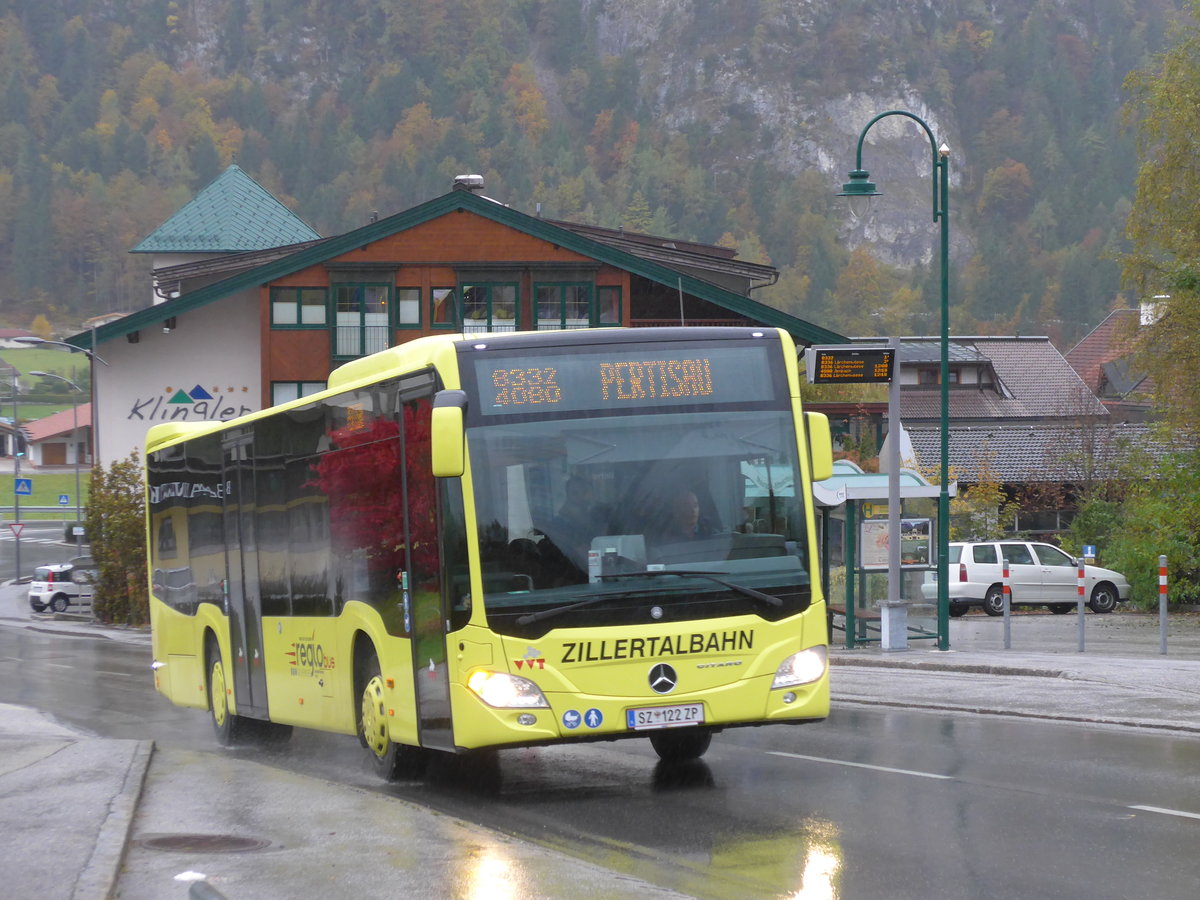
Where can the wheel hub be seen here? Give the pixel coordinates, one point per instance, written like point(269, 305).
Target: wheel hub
point(374, 720)
point(219, 706)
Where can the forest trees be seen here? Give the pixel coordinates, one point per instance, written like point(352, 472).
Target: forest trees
point(726, 120)
point(1164, 230)
point(1159, 513)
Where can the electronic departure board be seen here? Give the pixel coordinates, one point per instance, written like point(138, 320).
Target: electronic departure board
point(624, 377)
point(849, 364)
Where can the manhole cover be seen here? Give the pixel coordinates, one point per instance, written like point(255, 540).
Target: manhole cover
point(202, 843)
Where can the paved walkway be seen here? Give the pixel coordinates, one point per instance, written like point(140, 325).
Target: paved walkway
point(70, 804)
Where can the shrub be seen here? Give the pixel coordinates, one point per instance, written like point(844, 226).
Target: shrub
point(117, 528)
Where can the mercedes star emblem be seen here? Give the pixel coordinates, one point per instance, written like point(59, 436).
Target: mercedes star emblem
point(663, 679)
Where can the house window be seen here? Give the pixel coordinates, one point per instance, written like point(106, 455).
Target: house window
point(408, 307)
point(362, 324)
point(489, 307)
point(563, 306)
point(286, 391)
point(932, 375)
point(608, 305)
point(298, 307)
point(441, 308)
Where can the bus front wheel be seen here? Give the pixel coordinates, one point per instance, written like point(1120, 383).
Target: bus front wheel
point(227, 726)
point(681, 744)
point(392, 761)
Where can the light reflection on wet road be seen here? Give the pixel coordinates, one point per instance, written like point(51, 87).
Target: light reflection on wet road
point(873, 803)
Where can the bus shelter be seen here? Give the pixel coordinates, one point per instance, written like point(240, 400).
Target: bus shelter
point(852, 507)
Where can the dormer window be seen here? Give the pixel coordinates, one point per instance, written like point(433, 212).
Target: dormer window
point(931, 375)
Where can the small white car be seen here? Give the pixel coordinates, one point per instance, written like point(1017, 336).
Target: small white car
point(1039, 575)
point(63, 587)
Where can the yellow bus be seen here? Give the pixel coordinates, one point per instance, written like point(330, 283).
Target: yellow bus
point(501, 540)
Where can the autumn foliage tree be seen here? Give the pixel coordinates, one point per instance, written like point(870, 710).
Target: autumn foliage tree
point(1163, 226)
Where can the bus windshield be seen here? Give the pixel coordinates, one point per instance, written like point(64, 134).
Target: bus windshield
point(582, 518)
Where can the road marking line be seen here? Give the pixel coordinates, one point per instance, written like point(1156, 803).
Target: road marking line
point(122, 674)
point(1168, 812)
point(842, 762)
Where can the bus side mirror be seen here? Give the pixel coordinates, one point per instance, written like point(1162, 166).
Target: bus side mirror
point(820, 445)
point(447, 434)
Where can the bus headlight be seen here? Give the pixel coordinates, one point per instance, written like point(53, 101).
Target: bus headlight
point(506, 691)
point(801, 668)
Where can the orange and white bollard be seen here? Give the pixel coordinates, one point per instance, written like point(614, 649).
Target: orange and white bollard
point(1006, 593)
point(1082, 585)
point(1162, 605)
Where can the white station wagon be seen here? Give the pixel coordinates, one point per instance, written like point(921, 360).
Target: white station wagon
point(1039, 575)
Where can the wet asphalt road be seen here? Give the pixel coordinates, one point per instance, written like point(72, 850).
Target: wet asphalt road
point(872, 803)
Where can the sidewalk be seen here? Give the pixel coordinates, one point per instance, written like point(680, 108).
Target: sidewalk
point(79, 812)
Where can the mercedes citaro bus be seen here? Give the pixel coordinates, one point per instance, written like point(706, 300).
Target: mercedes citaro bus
point(475, 541)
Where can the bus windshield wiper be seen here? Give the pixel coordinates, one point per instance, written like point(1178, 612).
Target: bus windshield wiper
point(688, 573)
point(530, 618)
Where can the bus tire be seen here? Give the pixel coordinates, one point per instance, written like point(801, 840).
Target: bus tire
point(680, 744)
point(228, 727)
point(59, 603)
point(391, 761)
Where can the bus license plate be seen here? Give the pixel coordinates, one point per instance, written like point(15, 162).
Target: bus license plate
point(665, 716)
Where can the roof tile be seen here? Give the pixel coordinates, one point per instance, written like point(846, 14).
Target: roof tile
point(233, 213)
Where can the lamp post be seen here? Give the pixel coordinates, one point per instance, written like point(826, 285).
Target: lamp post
point(93, 358)
point(74, 433)
point(17, 453)
point(859, 189)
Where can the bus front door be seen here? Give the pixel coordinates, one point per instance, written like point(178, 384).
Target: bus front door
point(430, 616)
point(241, 565)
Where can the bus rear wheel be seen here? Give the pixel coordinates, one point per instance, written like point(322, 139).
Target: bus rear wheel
point(392, 761)
point(679, 745)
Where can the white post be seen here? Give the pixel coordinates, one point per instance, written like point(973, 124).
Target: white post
point(1006, 594)
point(1082, 584)
point(1162, 605)
point(894, 611)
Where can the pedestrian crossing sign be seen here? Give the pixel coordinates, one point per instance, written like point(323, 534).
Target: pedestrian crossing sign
point(24, 486)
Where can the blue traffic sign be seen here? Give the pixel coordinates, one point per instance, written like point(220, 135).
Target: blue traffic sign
point(24, 486)
point(64, 499)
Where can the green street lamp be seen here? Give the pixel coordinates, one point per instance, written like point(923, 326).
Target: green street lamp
point(75, 440)
point(860, 190)
point(93, 358)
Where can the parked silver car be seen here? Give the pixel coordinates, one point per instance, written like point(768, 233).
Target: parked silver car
point(1039, 575)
